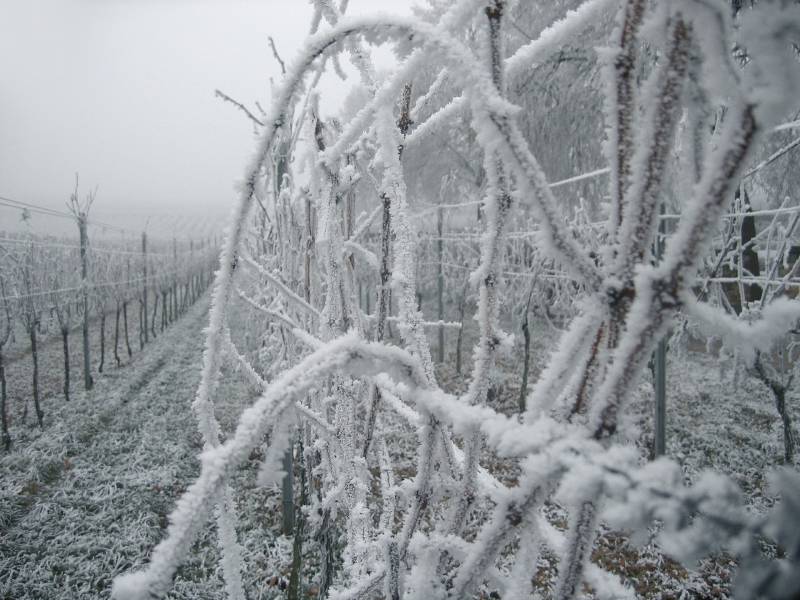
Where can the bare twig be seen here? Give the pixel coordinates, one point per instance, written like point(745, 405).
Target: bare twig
point(276, 55)
point(240, 106)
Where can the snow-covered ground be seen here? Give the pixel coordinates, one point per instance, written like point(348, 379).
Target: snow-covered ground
point(88, 498)
point(716, 420)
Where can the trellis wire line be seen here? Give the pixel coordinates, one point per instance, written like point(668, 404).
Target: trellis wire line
point(430, 324)
point(755, 213)
point(52, 212)
point(19, 205)
point(604, 171)
point(446, 206)
point(90, 248)
point(589, 175)
point(557, 276)
point(669, 216)
point(771, 158)
point(789, 125)
point(755, 281)
point(555, 184)
point(459, 237)
point(514, 235)
point(89, 287)
point(509, 273)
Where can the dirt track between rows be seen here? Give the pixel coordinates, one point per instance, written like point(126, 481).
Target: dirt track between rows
point(88, 497)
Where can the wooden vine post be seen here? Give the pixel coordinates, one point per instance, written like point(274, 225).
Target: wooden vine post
point(87, 373)
point(81, 212)
point(144, 285)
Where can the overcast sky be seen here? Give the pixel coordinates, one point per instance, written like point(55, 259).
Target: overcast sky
point(122, 91)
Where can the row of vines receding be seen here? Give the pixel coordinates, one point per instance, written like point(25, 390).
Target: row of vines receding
point(113, 288)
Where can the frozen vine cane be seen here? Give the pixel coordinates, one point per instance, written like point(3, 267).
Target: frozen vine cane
point(558, 459)
point(496, 208)
point(411, 321)
point(155, 584)
point(620, 98)
point(638, 218)
point(348, 355)
point(140, 585)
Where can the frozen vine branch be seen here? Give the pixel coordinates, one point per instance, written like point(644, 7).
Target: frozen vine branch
point(415, 540)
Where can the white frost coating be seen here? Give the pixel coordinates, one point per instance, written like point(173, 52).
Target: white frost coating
point(497, 203)
point(369, 257)
point(562, 452)
point(496, 128)
point(555, 239)
point(359, 57)
point(686, 246)
point(619, 109)
point(251, 374)
point(273, 279)
point(424, 99)
point(525, 561)
point(607, 586)
point(428, 324)
point(223, 285)
point(452, 20)
point(348, 353)
point(360, 549)
point(555, 376)
point(364, 226)
point(274, 314)
point(720, 76)
point(403, 274)
point(558, 34)
point(131, 586)
point(231, 551)
point(411, 320)
point(549, 41)
point(436, 121)
point(531, 492)
point(658, 289)
point(270, 473)
point(230, 254)
point(648, 165)
point(504, 432)
point(773, 75)
point(395, 403)
point(747, 334)
point(319, 422)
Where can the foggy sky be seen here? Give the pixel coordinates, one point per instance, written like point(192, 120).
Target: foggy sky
point(122, 91)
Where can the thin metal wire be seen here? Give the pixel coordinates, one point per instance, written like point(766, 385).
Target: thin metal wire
point(80, 287)
point(22, 241)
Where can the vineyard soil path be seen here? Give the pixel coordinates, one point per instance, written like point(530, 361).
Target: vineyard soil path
point(88, 497)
